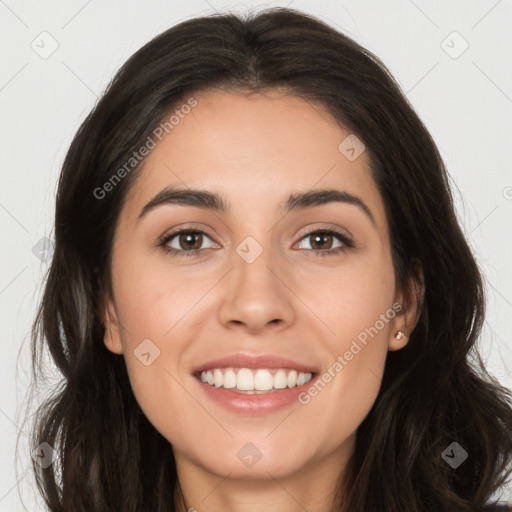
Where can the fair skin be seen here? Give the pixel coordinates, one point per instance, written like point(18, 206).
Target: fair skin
point(290, 301)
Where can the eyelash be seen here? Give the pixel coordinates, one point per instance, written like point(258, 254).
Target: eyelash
point(348, 244)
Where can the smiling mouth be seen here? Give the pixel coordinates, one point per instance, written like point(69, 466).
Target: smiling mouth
point(254, 381)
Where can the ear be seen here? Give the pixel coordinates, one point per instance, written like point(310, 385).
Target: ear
point(112, 336)
point(411, 300)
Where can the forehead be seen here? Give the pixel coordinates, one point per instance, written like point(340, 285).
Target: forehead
point(255, 150)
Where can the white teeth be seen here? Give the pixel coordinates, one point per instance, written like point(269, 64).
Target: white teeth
point(263, 381)
point(292, 379)
point(247, 380)
point(217, 378)
point(229, 379)
point(280, 380)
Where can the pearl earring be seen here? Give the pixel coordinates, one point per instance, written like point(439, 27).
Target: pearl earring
point(400, 334)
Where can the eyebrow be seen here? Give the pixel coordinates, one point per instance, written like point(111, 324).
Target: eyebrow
point(214, 202)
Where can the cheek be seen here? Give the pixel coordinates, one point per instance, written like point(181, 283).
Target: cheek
point(154, 295)
point(159, 310)
point(348, 301)
point(356, 308)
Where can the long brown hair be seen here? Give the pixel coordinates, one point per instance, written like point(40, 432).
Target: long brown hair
point(110, 457)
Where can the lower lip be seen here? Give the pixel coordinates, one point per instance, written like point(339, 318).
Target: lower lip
point(257, 403)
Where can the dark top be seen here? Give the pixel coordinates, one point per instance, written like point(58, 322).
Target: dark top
point(497, 508)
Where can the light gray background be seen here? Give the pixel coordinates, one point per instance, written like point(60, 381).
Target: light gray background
point(465, 102)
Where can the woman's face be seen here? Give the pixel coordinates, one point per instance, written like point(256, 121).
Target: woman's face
point(259, 286)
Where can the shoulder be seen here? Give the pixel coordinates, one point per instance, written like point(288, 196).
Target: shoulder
point(497, 508)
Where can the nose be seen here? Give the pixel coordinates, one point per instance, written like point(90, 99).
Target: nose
point(256, 295)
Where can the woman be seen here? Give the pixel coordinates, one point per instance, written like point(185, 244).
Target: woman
point(260, 296)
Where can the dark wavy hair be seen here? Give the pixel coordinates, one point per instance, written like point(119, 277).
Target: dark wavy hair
point(433, 392)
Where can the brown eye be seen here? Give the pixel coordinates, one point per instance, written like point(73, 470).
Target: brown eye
point(319, 240)
point(186, 241)
point(325, 240)
point(191, 240)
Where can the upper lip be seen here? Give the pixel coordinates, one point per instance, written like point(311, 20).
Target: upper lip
point(241, 360)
